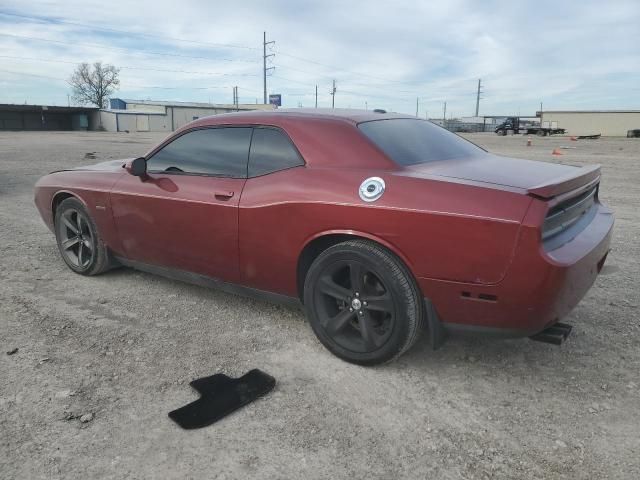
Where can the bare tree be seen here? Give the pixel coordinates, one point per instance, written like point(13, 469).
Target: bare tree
point(94, 84)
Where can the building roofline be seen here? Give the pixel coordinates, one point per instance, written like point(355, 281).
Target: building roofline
point(20, 107)
point(166, 103)
point(590, 111)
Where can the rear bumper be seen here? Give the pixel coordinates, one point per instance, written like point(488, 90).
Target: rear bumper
point(538, 290)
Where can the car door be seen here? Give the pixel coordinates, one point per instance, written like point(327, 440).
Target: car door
point(184, 213)
point(266, 214)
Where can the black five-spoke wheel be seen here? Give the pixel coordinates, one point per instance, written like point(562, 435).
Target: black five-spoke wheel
point(354, 306)
point(78, 239)
point(362, 302)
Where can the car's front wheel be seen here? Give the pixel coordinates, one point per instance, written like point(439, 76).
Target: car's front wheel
point(79, 242)
point(362, 303)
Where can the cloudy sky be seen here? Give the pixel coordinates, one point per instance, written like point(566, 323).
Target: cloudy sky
point(566, 54)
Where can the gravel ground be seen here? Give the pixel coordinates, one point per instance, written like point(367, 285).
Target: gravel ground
point(101, 361)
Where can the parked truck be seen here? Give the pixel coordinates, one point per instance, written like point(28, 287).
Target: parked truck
point(513, 123)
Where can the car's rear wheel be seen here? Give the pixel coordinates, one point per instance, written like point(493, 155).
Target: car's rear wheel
point(79, 242)
point(362, 303)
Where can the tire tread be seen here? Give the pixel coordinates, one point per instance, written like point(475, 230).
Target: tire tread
point(102, 262)
point(401, 275)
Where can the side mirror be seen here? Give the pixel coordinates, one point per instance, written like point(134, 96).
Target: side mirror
point(137, 167)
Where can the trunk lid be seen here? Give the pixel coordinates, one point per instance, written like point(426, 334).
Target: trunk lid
point(540, 179)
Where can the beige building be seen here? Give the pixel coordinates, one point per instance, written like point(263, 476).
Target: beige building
point(154, 116)
point(609, 123)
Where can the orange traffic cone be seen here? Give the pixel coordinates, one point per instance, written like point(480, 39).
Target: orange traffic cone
point(556, 151)
point(528, 141)
point(573, 139)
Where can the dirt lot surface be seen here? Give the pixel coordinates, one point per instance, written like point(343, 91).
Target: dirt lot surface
point(101, 361)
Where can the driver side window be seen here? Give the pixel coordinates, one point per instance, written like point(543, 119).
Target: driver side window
point(209, 151)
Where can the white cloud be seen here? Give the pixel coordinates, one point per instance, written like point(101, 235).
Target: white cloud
point(573, 54)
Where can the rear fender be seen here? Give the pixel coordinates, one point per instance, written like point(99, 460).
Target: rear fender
point(359, 234)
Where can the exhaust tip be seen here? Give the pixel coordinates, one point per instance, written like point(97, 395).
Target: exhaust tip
point(556, 334)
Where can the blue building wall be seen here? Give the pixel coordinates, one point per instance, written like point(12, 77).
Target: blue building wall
point(117, 104)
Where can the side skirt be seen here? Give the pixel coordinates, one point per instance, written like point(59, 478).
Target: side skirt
point(204, 281)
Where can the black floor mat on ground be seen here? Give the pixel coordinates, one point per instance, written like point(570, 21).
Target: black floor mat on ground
point(221, 395)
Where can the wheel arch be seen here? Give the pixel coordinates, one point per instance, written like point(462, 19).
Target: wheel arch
point(319, 242)
point(62, 195)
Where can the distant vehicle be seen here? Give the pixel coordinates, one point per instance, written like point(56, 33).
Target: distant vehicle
point(376, 223)
point(633, 133)
point(513, 123)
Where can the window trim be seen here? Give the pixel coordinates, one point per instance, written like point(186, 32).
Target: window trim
point(172, 139)
point(291, 142)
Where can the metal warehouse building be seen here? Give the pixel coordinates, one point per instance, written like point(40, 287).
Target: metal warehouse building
point(46, 117)
point(609, 123)
point(155, 116)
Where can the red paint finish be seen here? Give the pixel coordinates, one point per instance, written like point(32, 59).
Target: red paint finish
point(180, 221)
point(469, 230)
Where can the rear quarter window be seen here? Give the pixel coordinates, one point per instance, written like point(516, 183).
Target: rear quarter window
point(409, 141)
point(271, 151)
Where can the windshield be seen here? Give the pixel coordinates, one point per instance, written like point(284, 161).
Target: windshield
point(407, 141)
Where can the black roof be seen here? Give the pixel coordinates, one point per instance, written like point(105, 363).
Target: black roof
point(47, 108)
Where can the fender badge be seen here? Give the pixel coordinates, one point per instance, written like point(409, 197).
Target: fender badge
point(371, 189)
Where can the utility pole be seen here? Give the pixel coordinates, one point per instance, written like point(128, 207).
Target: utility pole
point(333, 95)
point(366, 105)
point(235, 97)
point(316, 96)
point(444, 115)
point(264, 63)
point(478, 98)
point(417, 104)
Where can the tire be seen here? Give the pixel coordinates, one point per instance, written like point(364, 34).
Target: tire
point(79, 241)
point(541, 133)
point(501, 132)
point(362, 303)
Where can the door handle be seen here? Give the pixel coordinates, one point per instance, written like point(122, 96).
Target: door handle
point(223, 195)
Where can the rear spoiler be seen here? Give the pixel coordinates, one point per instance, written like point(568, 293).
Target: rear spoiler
point(567, 183)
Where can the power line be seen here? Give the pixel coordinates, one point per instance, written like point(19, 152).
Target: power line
point(331, 76)
point(359, 74)
point(266, 69)
point(137, 50)
point(369, 86)
point(156, 87)
point(333, 67)
point(350, 92)
point(57, 21)
point(139, 68)
point(34, 75)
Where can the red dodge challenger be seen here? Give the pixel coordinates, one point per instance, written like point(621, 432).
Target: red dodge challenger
point(381, 225)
